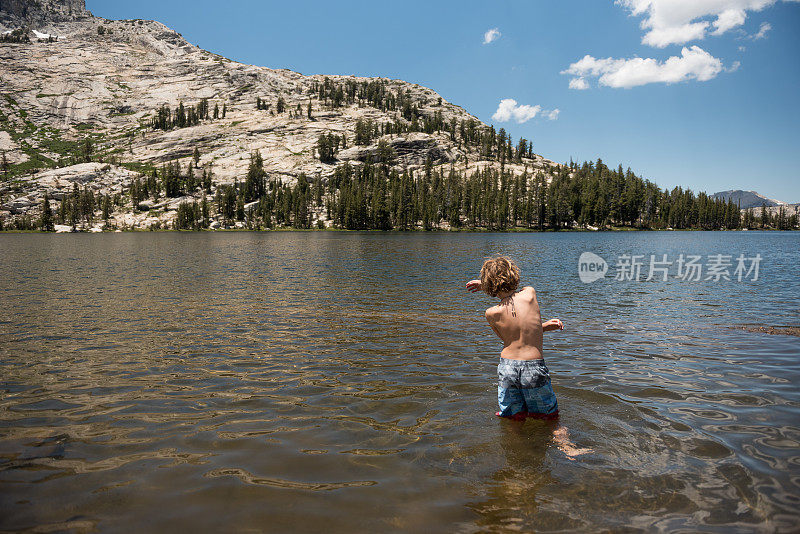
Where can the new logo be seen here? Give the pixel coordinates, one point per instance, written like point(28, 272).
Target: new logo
point(591, 267)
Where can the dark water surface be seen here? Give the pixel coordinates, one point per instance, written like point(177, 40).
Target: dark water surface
point(346, 382)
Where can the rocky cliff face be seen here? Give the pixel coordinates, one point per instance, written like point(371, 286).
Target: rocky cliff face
point(105, 80)
point(41, 12)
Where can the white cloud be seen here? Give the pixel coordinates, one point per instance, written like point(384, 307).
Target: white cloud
point(578, 84)
point(734, 66)
point(728, 19)
point(693, 63)
point(762, 31)
point(491, 35)
point(661, 37)
point(509, 109)
point(680, 21)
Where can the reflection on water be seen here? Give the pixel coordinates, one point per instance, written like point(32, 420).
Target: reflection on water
point(284, 381)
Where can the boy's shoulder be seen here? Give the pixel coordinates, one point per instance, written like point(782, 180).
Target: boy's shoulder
point(493, 312)
point(528, 293)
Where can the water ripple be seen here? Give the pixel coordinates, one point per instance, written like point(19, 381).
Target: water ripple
point(227, 381)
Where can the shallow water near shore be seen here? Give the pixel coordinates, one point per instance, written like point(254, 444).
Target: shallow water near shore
point(347, 382)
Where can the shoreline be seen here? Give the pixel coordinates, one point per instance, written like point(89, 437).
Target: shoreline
point(399, 231)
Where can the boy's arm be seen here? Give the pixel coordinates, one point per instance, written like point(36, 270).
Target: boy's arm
point(491, 323)
point(473, 286)
point(552, 324)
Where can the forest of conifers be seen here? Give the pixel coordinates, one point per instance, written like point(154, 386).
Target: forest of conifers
point(376, 194)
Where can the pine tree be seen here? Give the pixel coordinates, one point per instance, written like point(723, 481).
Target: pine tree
point(308, 109)
point(327, 146)
point(386, 155)
point(255, 184)
point(106, 208)
point(74, 207)
point(207, 181)
point(224, 109)
point(187, 217)
point(46, 222)
point(86, 149)
point(226, 202)
point(180, 116)
point(205, 211)
point(190, 182)
point(87, 204)
point(63, 210)
point(239, 202)
point(5, 166)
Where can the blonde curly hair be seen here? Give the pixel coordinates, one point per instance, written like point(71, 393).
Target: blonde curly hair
point(499, 275)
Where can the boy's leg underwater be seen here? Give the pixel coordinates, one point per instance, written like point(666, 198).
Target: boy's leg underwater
point(561, 437)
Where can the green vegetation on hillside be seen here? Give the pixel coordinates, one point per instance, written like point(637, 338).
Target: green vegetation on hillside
point(183, 116)
point(375, 194)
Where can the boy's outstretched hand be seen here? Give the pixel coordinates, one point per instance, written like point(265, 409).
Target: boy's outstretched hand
point(552, 324)
point(473, 286)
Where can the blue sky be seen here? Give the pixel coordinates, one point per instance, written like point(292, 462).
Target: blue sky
point(723, 114)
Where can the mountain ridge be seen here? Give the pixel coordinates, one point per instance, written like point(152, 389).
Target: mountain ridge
point(748, 199)
point(106, 80)
point(224, 80)
point(120, 112)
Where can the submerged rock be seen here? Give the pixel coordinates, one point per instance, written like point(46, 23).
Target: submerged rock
point(775, 330)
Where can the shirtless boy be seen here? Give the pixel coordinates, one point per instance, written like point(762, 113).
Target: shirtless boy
point(523, 388)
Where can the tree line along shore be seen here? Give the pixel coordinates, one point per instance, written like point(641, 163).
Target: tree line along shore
point(376, 196)
point(379, 194)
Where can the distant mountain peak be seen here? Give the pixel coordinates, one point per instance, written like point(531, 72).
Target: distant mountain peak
point(747, 199)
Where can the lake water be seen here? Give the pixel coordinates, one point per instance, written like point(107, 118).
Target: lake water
point(346, 382)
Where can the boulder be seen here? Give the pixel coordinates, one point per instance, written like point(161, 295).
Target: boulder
point(411, 149)
point(175, 202)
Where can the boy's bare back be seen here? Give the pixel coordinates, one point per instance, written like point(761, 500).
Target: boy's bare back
point(523, 388)
point(518, 322)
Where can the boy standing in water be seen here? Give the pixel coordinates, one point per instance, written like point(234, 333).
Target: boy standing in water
point(524, 388)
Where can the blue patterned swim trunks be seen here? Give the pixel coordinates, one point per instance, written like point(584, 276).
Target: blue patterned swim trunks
point(524, 390)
